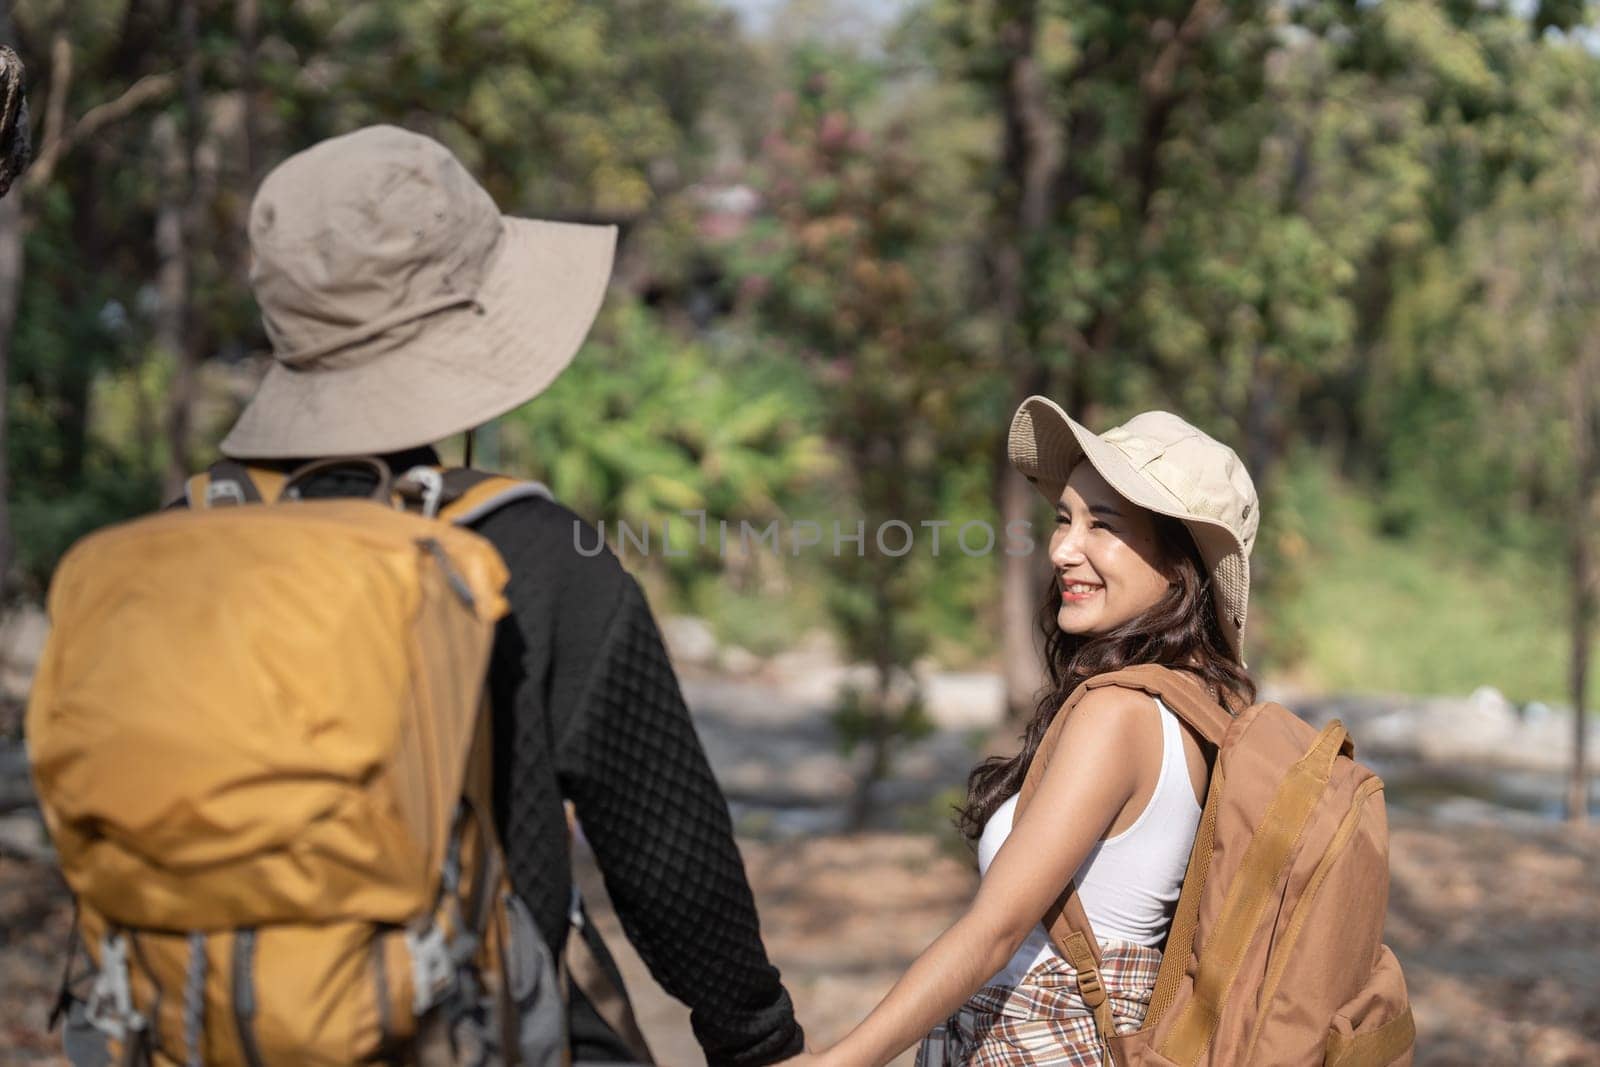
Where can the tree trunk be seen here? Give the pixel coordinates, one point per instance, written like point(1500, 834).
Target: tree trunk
point(878, 711)
point(1582, 619)
point(172, 289)
point(881, 713)
point(882, 497)
point(248, 25)
point(176, 232)
point(879, 752)
point(1586, 460)
point(11, 266)
point(1020, 587)
point(1260, 416)
point(1032, 161)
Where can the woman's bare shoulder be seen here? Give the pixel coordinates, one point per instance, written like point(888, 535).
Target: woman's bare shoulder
point(1112, 707)
point(1112, 723)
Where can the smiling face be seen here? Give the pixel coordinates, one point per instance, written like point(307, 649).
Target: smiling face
point(1106, 556)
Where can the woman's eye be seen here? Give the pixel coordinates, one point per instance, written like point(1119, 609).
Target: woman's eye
point(1062, 520)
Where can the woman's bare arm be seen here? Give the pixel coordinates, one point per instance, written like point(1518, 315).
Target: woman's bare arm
point(1095, 773)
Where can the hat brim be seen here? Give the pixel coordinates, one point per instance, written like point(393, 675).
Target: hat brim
point(450, 371)
point(1045, 444)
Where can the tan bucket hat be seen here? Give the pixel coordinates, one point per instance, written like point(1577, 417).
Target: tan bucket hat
point(1159, 462)
point(401, 305)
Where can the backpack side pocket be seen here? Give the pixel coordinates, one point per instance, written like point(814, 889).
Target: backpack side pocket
point(1374, 1028)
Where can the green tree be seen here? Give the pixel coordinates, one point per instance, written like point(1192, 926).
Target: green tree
point(1531, 342)
point(568, 109)
point(95, 81)
point(136, 337)
point(1110, 115)
point(851, 270)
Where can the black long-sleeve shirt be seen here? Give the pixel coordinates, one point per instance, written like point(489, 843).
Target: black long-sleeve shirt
point(587, 707)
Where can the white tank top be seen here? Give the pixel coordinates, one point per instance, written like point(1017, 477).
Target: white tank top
point(1129, 883)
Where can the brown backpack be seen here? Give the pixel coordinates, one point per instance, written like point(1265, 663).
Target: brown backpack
point(1275, 956)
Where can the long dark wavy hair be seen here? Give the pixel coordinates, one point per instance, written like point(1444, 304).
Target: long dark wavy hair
point(1180, 631)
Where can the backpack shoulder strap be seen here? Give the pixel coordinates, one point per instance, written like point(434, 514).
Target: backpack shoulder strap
point(1176, 689)
point(228, 481)
point(469, 495)
point(1066, 920)
point(1179, 692)
point(459, 495)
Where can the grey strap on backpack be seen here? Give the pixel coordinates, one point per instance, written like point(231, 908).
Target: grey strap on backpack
point(532, 994)
point(586, 972)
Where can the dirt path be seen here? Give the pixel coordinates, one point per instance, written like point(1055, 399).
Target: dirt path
point(1498, 928)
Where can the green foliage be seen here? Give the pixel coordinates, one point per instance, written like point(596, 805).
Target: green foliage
point(564, 110)
point(1443, 610)
point(70, 335)
point(853, 270)
point(111, 487)
point(560, 107)
point(1355, 239)
point(759, 605)
point(860, 717)
point(646, 425)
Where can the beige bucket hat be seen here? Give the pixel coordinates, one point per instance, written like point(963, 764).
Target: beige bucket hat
point(1159, 462)
point(401, 305)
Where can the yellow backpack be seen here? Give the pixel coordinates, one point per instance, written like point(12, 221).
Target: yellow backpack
point(260, 738)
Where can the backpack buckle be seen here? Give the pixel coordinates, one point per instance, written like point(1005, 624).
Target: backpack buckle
point(224, 492)
point(1090, 989)
point(433, 969)
point(427, 483)
point(109, 1008)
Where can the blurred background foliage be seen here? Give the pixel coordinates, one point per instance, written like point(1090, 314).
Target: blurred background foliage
point(1360, 241)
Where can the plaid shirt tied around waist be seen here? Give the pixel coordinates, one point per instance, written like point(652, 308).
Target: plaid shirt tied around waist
point(1042, 1021)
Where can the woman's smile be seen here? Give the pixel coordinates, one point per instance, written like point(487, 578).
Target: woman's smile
point(1075, 591)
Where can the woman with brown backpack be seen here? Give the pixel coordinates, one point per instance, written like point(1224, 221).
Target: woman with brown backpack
point(1210, 872)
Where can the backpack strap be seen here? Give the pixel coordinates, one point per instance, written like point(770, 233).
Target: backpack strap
point(464, 497)
point(293, 486)
point(229, 482)
point(1066, 920)
point(1178, 690)
point(606, 996)
point(468, 495)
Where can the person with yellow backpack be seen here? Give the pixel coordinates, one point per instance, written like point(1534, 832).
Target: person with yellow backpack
point(1173, 874)
point(304, 745)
